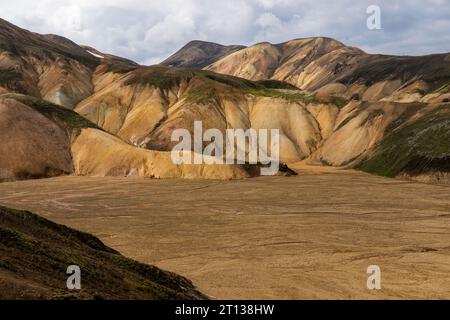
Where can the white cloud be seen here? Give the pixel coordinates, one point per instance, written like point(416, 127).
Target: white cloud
point(268, 20)
point(148, 31)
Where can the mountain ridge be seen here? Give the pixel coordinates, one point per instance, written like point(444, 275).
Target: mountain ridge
point(324, 65)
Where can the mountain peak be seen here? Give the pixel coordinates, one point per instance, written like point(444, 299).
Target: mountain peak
point(199, 54)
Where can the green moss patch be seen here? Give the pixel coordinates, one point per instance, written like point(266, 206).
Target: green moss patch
point(339, 102)
point(421, 146)
point(275, 84)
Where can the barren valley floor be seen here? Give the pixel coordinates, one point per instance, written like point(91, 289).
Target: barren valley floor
point(304, 237)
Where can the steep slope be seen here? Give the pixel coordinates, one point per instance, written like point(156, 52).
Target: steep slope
point(419, 148)
point(108, 57)
point(45, 66)
point(144, 106)
point(35, 254)
point(45, 140)
point(199, 54)
point(36, 137)
point(99, 154)
point(51, 71)
point(280, 62)
point(48, 66)
point(408, 140)
point(329, 68)
point(321, 133)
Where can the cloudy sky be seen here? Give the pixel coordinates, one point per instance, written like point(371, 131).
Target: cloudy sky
point(148, 31)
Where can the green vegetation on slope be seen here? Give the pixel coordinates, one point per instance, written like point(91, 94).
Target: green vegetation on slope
point(160, 77)
point(275, 84)
point(433, 69)
point(259, 89)
point(207, 85)
point(117, 67)
point(417, 147)
point(70, 118)
point(339, 102)
point(8, 75)
point(291, 96)
point(35, 254)
point(12, 80)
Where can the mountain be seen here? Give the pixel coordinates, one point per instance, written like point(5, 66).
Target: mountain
point(199, 54)
point(36, 254)
point(333, 105)
point(327, 67)
point(42, 79)
point(41, 139)
point(284, 61)
point(45, 66)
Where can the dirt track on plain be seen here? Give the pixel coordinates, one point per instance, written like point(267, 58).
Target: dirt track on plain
point(305, 237)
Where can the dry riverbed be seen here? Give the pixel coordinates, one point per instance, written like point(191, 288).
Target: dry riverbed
point(304, 237)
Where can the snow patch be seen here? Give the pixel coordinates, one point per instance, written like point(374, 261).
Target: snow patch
point(96, 55)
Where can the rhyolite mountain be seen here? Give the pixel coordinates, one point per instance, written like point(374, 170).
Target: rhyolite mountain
point(42, 79)
point(75, 110)
point(328, 67)
point(36, 252)
point(199, 54)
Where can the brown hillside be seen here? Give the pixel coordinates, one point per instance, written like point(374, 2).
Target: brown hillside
point(35, 254)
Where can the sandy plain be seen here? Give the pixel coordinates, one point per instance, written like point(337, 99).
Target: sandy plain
point(306, 237)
